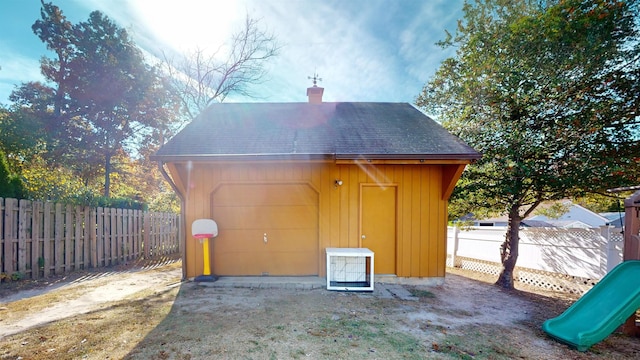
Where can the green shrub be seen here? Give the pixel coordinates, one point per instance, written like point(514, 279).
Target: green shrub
point(10, 185)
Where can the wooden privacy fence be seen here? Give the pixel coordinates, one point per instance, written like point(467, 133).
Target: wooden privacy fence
point(40, 239)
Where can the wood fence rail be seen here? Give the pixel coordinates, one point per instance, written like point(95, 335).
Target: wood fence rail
point(39, 239)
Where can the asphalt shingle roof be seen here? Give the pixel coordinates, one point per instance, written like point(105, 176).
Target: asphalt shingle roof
point(344, 130)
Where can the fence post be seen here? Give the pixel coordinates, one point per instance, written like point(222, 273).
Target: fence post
point(86, 237)
point(454, 254)
point(113, 237)
point(22, 235)
point(139, 233)
point(9, 253)
point(78, 256)
point(2, 238)
point(68, 238)
point(146, 236)
point(165, 233)
point(58, 244)
point(47, 233)
point(607, 250)
point(36, 230)
point(93, 237)
point(176, 233)
point(120, 236)
point(135, 238)
point(130, 237)
point(103, 249)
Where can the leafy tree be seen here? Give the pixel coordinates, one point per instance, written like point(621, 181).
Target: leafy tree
point(57, 33)
point(10, 185)
point(23, 128)
point(105, 99)
point(599, 203)
point(46, 181)
point(547, 91)
point(201, 78)
point(165, 201)
point(111, 82)
point(554, 210)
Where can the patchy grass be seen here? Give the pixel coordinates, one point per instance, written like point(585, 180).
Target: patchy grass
point(421, 293)
point(105, 333)
point(367, 335)
point(478, 344)
point(463, 319)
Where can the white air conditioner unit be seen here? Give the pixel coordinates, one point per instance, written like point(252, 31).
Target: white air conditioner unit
point(349, 269)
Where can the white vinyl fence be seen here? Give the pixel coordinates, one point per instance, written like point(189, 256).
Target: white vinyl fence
point(568, 260)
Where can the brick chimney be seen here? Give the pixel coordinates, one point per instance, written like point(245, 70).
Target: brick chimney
point(315, 93)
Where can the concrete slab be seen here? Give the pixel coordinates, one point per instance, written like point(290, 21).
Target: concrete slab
point(382, 290)
point(267, 282)
point(400, 292)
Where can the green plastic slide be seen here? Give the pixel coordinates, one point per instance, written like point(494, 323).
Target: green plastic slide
point(601, 310)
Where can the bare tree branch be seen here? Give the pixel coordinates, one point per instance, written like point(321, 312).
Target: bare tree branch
point(201, 78)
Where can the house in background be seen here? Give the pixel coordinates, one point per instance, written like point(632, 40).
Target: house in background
point(285, 181)
point(615, 219)
point(504, 221)
point(575, 217)
point(495, 221)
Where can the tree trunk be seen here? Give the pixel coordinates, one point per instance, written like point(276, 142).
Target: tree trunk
point(509, 249)
point(107, 175)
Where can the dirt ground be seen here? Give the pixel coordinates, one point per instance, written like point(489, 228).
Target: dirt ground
point(143, 311)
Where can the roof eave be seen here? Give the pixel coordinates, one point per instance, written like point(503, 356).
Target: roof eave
point(240, 157)
point(461, 156)
point(465, 158)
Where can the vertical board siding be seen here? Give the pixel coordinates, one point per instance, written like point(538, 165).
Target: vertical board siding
point(406, 222)
point(428, 209)
point(39, 239)
point(421, 211)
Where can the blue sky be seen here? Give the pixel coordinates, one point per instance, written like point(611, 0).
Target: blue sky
point(364, 50)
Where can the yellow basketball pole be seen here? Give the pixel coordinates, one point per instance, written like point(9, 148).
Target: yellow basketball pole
point(206, 272)
point(207, 267)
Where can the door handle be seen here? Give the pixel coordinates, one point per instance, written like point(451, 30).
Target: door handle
point(264, 238)
point(363, 237)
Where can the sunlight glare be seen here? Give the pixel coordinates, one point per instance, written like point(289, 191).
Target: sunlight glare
point(190, 24)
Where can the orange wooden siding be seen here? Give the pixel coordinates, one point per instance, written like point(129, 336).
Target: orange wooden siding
point(421, 209)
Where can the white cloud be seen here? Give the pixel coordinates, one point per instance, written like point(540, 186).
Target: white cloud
point(15, 69)
point(418, 40)
point(364, 50)
point(355, 65)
